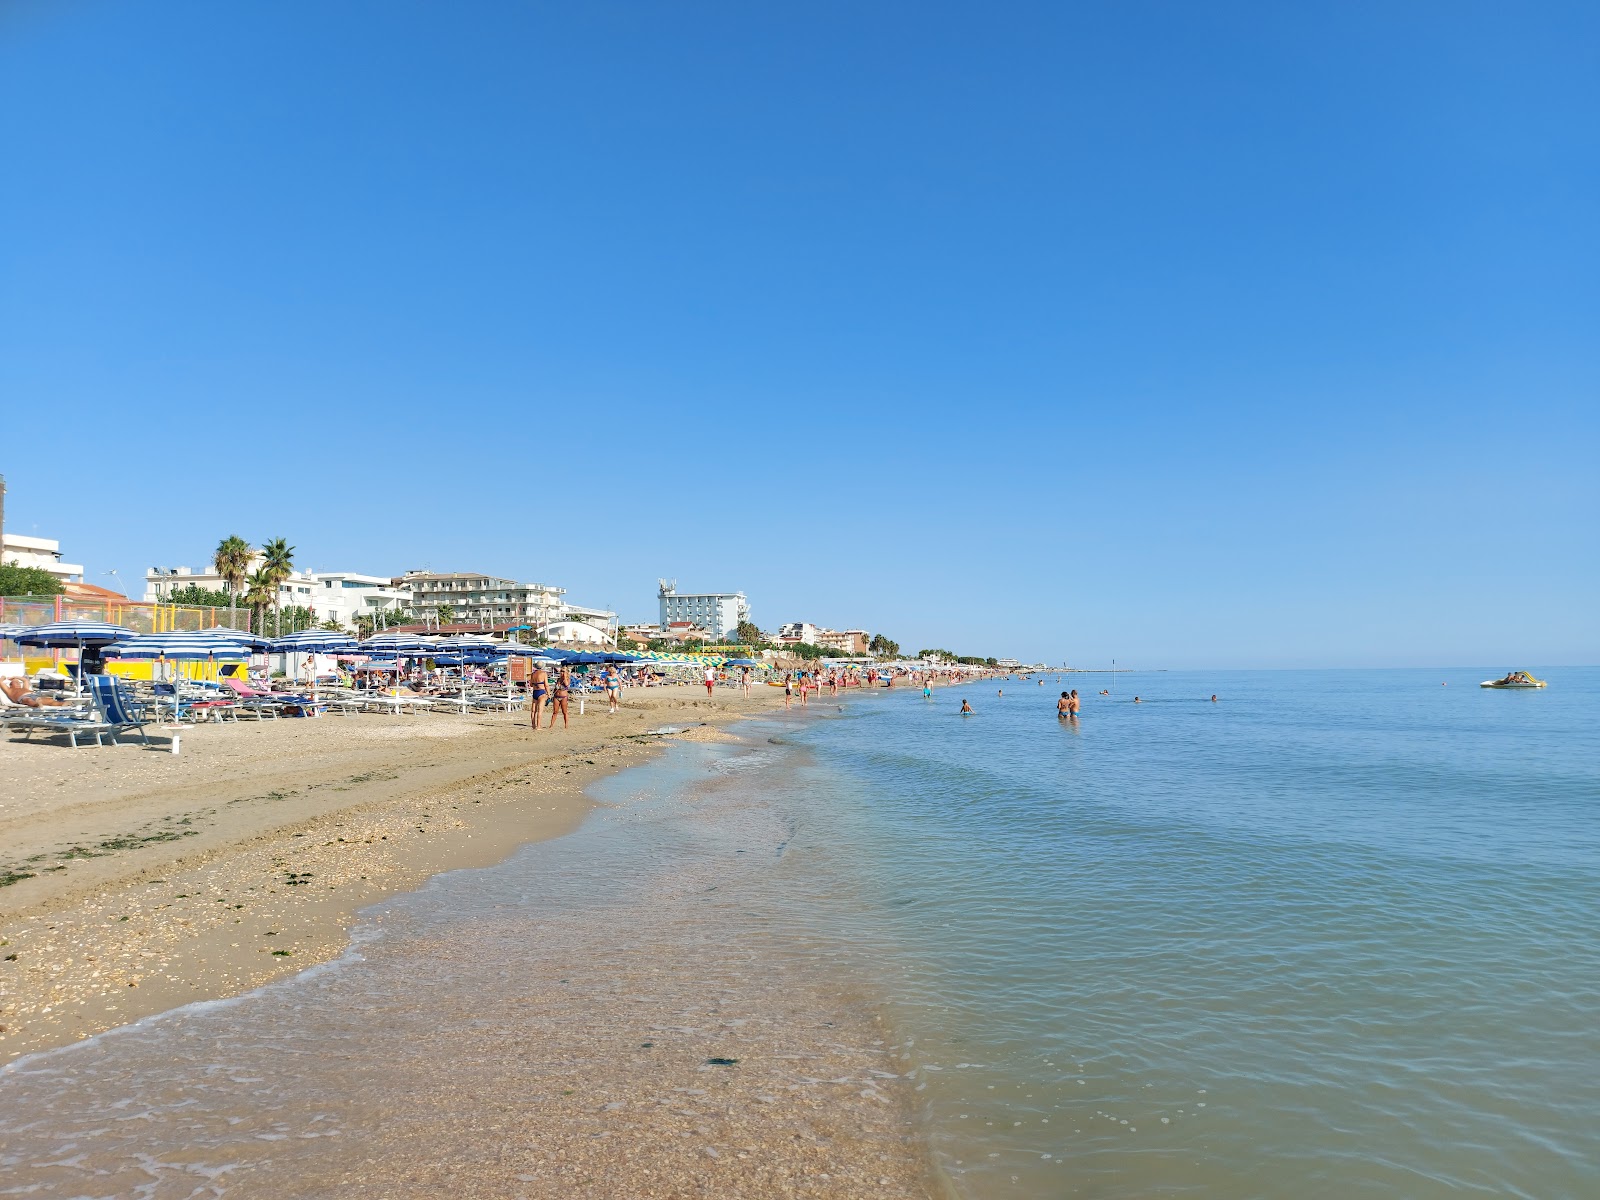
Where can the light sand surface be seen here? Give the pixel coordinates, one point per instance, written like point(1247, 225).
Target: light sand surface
point(158, 879)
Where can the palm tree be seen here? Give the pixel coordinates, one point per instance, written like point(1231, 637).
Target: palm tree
point(262, 592)
point(232, 559)
point(278, 561)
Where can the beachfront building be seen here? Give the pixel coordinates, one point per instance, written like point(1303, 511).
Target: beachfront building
point(340, 596)
point(846, 641)
point(800, 631)
point(483, 599)
point(42, 553)
point(346, 595)
point(719, 612)
point(577, 634)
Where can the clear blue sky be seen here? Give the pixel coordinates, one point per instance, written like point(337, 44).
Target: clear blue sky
point(1189, 334)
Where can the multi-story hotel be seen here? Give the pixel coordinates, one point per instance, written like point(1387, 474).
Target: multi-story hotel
point(719, 612)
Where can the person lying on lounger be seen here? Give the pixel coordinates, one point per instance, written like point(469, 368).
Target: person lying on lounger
point(17, 691)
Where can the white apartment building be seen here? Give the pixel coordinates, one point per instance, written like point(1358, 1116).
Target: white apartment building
point(491, 601)
point(42, 553)
point(346, 595)
point(801, 631)
point(337, 595)
point(484, 599)
point(720, 612)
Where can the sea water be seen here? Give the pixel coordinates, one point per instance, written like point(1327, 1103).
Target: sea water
point(1336, 934)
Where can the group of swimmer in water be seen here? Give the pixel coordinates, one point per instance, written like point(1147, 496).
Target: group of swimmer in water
point(1067, 707)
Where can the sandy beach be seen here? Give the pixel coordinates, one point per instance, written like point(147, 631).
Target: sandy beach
point(142, 881)
point(154, 880)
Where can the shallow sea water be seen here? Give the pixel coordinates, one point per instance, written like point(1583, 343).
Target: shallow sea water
point(1337, 935)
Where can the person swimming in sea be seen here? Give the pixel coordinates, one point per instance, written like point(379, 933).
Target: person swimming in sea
point(1136, 700)
point(1213, 697)
point(966, 709)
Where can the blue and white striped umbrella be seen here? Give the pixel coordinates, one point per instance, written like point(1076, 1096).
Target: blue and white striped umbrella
point(397, 643)
point(242, 636)
point(315, 641)
point(180, 646)
point(72, 633)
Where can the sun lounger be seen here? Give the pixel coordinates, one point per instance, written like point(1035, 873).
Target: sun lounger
point(116, 705)
point(70, 722)
point(259, 705)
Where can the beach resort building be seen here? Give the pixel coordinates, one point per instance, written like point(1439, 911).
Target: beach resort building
point(43, 553)
point(486, 599)
point(502, 603)
point(846, 641)
point(330, 595)
point(719, 612)
point(578, 634)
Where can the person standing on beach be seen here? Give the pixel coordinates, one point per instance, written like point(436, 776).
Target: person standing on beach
point(788, 688)
point(744, 681)
point(558, 697)
point(538, 688)
point(711, 679)
point(613, 688)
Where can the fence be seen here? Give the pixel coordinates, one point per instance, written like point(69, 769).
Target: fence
point(141, 618)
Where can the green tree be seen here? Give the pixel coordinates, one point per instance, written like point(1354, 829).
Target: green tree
point(260, 593)
point(232, 561)
point(883, 646)
point(750, 634)
point(17, 580)
point(199, 596)
point(278, 561)
point(445, 615)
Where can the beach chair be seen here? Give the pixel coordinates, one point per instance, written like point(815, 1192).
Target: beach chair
point(116, 706)
point(259, 705)
point(14, 717)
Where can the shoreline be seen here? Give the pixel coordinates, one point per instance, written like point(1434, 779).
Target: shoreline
point(783, 1124)
point(162, 880)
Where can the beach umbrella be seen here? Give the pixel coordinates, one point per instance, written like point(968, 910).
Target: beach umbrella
point(742, 662)
point(408, 642)
point(242, 636)
point(179, 647)
point(314, 641)
point(58, 635)
point(465, 648)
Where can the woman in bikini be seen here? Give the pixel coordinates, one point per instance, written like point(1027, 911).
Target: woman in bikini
point(558, 697)
point(538, 688)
